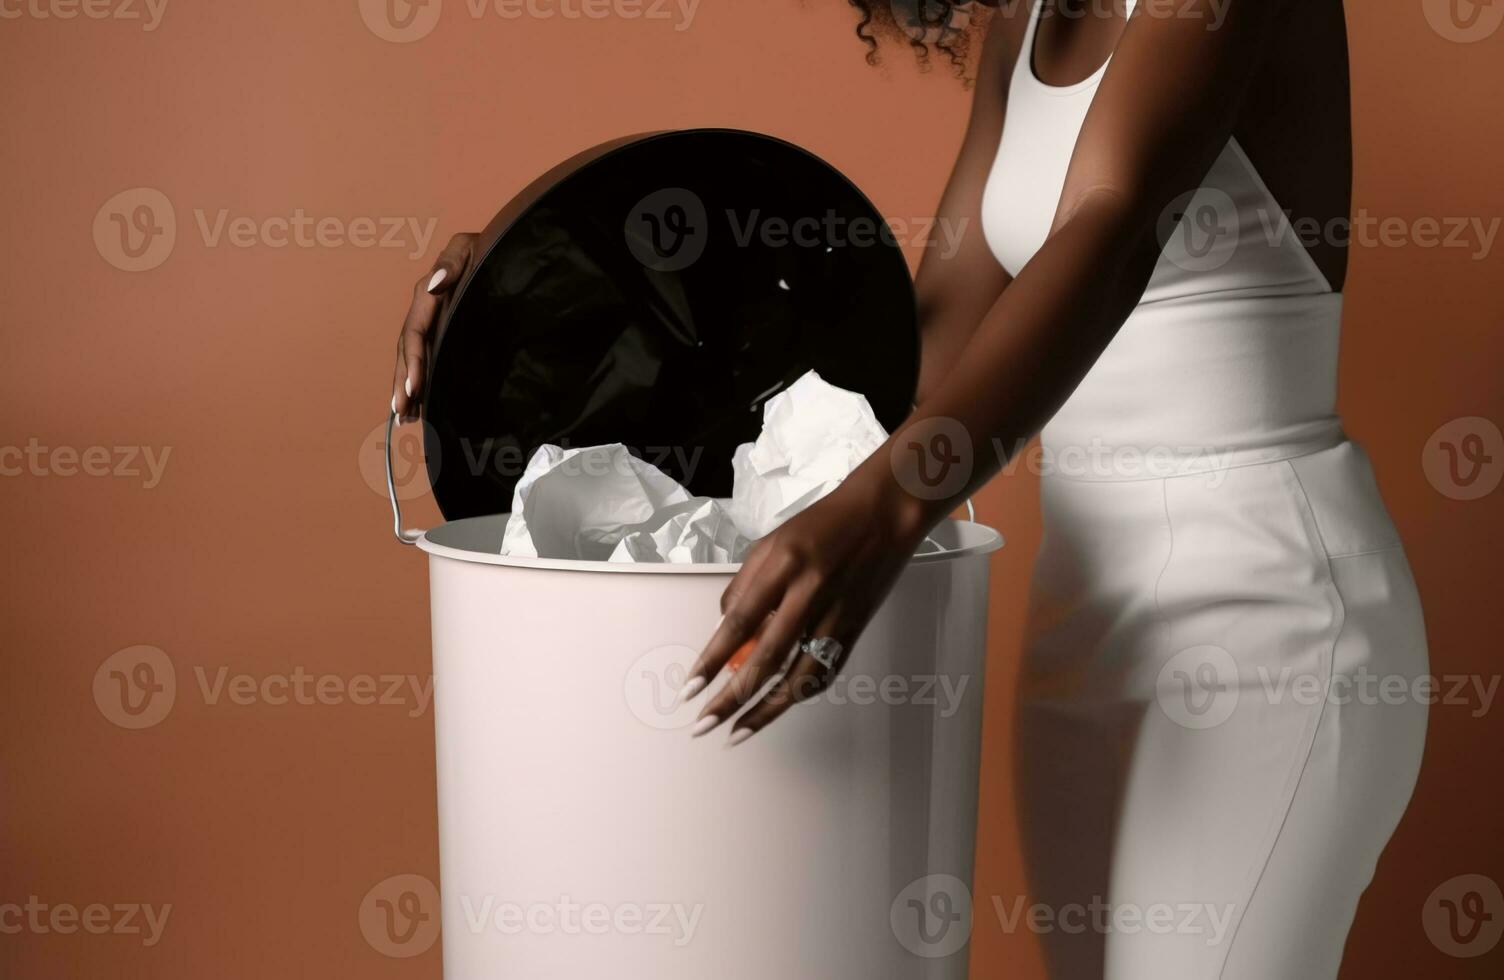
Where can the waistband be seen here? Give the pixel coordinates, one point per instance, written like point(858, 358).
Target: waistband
point(1102, 463)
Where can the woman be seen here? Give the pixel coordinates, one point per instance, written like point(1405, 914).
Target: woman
point(1219, 583)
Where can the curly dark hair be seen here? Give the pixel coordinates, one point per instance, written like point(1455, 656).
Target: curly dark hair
point(947, 26)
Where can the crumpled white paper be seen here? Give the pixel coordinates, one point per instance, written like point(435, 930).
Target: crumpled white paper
point(813, 435)
point(698, 531)
point(579, 503)
point(603, 504)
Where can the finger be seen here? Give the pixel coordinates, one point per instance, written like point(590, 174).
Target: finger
point(755, 592)
point(741, 656)
point(693, 682)
point(412, 353)
point(412, 345)
point(767, 661)
point(451, 264)
point(805, 678)
point(707, 720)
point(751, 563)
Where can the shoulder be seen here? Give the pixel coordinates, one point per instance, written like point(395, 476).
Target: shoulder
point(1005, 34)
point(1001, 48)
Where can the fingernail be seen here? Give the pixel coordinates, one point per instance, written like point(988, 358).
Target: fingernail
point(394, 407)
point(691, 687)
point(438, 277)
point(738, 737)
point(704, 725)
point(407, 385)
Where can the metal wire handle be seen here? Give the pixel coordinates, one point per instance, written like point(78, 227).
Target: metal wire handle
point(404, 536)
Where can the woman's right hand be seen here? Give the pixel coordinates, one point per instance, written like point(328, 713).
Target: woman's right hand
point(417, 329)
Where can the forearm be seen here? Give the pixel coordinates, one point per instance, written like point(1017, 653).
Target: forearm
point(950, 310)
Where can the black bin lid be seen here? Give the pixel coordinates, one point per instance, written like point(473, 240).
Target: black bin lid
point(656, 291)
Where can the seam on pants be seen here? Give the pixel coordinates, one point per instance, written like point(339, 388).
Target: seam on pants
point(1313, 447)
point(1397, 546)
point(1307, 515)
point(1159, 581)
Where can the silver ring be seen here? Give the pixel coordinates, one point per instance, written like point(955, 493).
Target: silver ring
point(823, 650)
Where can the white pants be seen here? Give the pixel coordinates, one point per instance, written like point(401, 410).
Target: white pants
point(1214, 747)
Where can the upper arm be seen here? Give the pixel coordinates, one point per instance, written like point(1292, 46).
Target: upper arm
point(1168, 103)
point(958, 260)
point(989, 105)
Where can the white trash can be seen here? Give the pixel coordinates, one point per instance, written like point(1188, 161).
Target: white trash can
point(656, 292)
point(584, 835)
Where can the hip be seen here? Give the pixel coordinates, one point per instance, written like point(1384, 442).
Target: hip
point(1260, 567)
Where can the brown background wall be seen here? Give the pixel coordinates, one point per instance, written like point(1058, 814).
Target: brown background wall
point(263, 549)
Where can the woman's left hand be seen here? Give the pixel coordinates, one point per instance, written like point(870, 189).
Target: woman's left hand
point(819, 577)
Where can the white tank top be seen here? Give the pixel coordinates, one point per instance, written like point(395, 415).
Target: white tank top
point(1232, 349)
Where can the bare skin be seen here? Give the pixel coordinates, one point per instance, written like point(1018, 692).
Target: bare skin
point(1002, 354)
